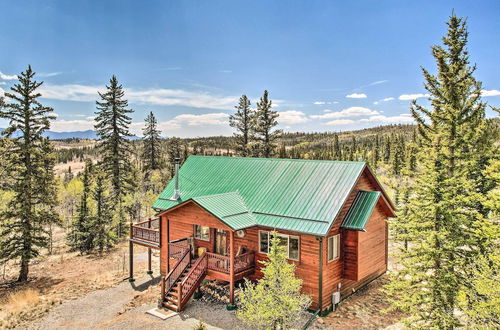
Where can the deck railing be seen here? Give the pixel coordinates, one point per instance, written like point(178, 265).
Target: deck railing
point(244, 261)
point(221, 263)
point(147, 231)
point(146, 234)
point(177, 249)
point(193, 278)
point(218, 262)
point(177, 270)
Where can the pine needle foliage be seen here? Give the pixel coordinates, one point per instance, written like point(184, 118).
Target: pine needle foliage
point(24, 223)
point(101, 230)
point(151, 144)
point(265, 123)
point(444, 232)
point(243, 120)
point(80, 237)
point(112, 127)
point(275, 302)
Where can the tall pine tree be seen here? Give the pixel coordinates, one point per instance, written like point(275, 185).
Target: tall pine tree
point(23, 232)
point(112, 127)
point(444, 229)
point(80, 238)
point(243, 121)
point(151, 144)
point(102, 235)
point(265, 122)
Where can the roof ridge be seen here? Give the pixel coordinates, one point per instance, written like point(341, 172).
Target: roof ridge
point(281, 159)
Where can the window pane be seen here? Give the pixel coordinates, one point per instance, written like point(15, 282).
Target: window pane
point(337, 246)
point(293, 248)
point(202, 232)
point(205, 233)
point(330, 248)
point(264, 241)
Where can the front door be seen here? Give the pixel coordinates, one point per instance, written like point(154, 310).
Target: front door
point(221, 242)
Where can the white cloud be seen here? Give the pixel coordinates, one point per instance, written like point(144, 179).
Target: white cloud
point(319, 102)
point(356, 96)
point(201, 120)
point(159, 96)
point(384, 100)
point(492, 92)
point(49, 74)
point(340, 122)
point(292, 117)
point(3, 83)
point(2, 92)
point(408, 97)
point(62, 125)
point(378, 82)
point(327, 110)
point(184, 125)
point(7, 77)
point(401, 118)
point(346, 113)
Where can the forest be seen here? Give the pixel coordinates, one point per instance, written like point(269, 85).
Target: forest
point(442, 172)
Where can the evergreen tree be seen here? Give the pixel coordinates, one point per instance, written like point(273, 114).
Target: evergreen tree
point(103, 237)
point(265, 121)
point(80, 237)
point(243, 121)
point(174, 150)
point(49, 189)
point(337, 153)
point(23, 231)
point(112, 127)
point(278, 288)
point(387, 150)
point(376, 152)
point(445, 232)
point(151, 144)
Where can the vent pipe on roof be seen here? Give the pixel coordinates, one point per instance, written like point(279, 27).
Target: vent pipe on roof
point(177, 192)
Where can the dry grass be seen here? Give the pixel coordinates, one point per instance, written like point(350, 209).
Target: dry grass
point(62, 276)
point(20, 300)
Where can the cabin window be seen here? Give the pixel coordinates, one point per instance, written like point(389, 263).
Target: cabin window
point(333, 247)
point(291, 244)
point(202, 232)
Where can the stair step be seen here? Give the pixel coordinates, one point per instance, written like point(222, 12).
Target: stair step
point(170, 306)
point(173, 300)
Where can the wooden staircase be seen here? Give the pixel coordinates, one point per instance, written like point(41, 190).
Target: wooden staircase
point(183, 280)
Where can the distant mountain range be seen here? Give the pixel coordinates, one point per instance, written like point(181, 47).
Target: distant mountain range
point(87, 135)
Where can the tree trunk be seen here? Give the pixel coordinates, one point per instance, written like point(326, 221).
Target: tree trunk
point(23, 273)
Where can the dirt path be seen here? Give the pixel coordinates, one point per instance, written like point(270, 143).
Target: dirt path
point(124, 307)
point(94, 309)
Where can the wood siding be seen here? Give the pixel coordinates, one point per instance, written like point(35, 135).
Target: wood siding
point(356, 266)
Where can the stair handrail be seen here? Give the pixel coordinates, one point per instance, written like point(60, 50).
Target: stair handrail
point(187, 254)
point(201, 266)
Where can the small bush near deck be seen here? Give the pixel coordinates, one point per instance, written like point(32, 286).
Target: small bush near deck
point(275, 301)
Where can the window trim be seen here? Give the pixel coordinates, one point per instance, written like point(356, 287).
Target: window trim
point(332, 238)
point(287, 244)
point(199, 238)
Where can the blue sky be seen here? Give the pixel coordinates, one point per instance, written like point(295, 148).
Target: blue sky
point(328, 65)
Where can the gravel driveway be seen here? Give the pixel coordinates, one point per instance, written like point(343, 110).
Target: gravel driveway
point(114, 309)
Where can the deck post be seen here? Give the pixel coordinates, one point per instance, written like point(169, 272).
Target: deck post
point(149, 253)
point(231, 267)
point(131, 255)
point(167, 243)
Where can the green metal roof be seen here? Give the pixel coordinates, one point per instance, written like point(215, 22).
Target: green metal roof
point(360, 210)
point(289, 194)
point(229, 207)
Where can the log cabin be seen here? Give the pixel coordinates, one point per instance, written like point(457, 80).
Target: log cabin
point(216, 216)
